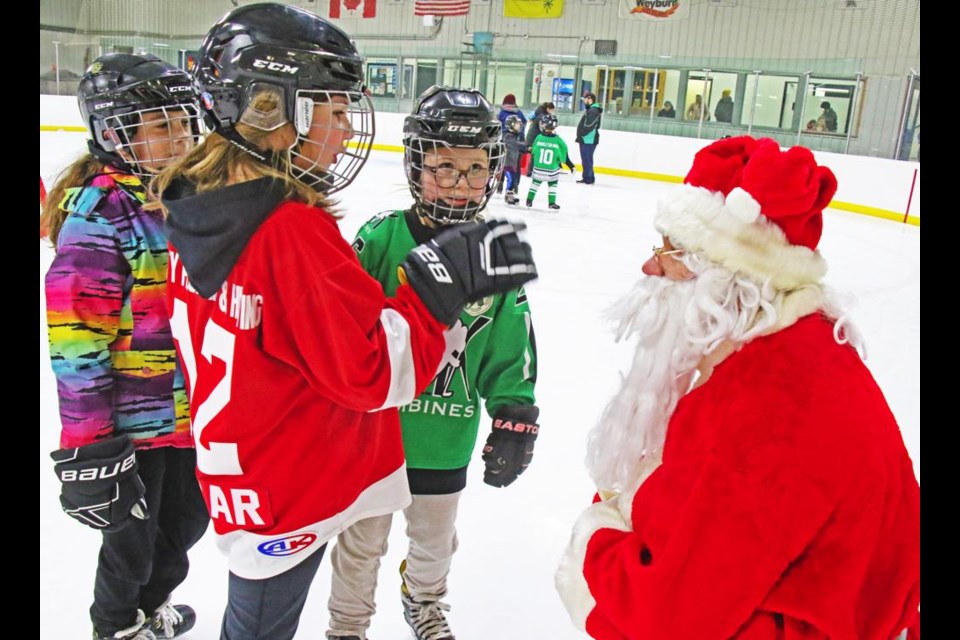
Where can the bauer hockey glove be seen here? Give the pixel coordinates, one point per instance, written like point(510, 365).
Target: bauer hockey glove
point(101, 487)
point(467, 262)
point(509, 447)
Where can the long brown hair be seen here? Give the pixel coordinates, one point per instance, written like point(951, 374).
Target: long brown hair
point(75, 175)
point(216, 162)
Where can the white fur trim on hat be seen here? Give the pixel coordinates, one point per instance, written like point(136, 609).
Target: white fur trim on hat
point(733, 233)
point(569, 579)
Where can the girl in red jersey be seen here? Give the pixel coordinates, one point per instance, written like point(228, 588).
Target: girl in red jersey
point(295, 359)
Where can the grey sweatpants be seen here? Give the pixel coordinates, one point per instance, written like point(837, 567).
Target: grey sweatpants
point(356, 560)
point(268, 609)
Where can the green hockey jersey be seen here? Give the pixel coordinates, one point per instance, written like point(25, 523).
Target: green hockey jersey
point(548, 153)
point(493, 357)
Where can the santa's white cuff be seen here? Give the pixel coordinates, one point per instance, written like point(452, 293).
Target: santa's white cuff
point(569, 578)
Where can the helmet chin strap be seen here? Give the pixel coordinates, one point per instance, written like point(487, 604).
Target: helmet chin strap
point(264, 156)
point(443, 213)
point(112, 159)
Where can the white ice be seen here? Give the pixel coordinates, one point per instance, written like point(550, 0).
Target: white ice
point(588, 253)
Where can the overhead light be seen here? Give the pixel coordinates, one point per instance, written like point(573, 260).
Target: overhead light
point(560, 55)
point(160, 44)
point(664, 56)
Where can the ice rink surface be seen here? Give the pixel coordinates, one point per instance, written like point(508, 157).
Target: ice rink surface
point(588, 253)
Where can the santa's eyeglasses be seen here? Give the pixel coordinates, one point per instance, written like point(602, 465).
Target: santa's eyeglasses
point(447, 176)
point(663, 251)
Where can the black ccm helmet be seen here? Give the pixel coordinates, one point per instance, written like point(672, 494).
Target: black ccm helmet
point(455, 119)
point(118, 91)
point(548, 123)
point(298, 58)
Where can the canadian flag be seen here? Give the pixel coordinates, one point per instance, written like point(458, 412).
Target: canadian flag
point(353, 9)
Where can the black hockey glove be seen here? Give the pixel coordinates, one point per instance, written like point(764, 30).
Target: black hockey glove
point(509, 447)
point(101, 487)
point(467, 262)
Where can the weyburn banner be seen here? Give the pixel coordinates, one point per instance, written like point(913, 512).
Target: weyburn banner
point(654, 9)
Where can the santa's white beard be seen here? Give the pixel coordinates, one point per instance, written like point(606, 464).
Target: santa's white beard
point(634, 423)
point(676, 323)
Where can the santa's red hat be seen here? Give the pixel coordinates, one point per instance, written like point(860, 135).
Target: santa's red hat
point(752, 208)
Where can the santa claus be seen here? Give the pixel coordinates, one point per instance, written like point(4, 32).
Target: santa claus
point(752, 482)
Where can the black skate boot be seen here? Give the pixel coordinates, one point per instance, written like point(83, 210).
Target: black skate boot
point(139, 630)
point(172, 620)
point(425, 617)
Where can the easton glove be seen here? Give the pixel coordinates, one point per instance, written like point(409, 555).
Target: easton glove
point(467, 262)
point(509, 447)
point(101, 488)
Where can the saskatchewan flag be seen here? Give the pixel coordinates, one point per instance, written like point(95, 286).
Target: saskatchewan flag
point(532, 8)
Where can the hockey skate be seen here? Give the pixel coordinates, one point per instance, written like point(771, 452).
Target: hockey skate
point(511, 198)
point(172, 621)
point(529, 203)
point(426, 618)
point(554, 205)
point(139, 630)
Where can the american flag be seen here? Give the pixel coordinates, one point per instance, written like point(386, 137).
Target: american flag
point(441, 7)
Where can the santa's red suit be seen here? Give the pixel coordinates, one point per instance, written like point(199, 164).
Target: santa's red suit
point(785, 507)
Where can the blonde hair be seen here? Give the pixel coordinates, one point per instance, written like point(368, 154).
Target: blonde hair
point(77, 174)
point(216, 162)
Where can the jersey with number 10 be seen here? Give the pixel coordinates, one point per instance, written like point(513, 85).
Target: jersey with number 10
point(549, 152)
point(293, 366)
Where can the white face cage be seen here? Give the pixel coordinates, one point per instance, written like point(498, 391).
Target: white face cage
point(456, 193)
point(335, 131)
point(150, 139)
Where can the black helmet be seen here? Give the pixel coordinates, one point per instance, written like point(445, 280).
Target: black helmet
point(301, 59)
point(115, 93)
point(512, 122)
point(548, 123)
point(444, 117)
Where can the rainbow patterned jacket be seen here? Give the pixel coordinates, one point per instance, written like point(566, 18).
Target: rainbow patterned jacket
point(110, 343)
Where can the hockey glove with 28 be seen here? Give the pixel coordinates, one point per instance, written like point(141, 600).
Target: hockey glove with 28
point(467, 262)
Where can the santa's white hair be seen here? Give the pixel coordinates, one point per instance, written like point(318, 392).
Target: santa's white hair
point(677, 323)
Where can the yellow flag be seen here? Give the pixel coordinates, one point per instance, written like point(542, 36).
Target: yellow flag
point(532, 8)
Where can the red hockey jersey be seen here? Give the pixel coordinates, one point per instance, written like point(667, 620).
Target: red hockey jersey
point(293, 366)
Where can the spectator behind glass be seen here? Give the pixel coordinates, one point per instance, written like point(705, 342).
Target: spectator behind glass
point(828, 118)
point(696, 109)
point(667, 111)
point(724, 109)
